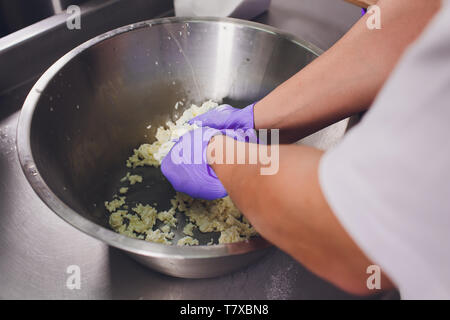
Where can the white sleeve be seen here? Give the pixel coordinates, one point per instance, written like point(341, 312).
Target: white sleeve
point(388, 181)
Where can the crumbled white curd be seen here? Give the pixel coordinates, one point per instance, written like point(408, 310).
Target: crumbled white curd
point(219, 215)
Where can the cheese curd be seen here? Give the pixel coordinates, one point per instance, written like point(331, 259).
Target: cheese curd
point(152, 154)
point(114, 204)
point(123, 190)
point(188, 229)
point(187, 241)
point(133, 179)
point(219, 215)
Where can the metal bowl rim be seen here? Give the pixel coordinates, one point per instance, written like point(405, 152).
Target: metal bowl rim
point(83, 224)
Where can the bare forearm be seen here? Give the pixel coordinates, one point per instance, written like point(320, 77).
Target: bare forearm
point(289, 210)
point(346, 78)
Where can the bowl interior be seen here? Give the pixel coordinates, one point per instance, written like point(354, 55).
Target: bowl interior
point(98, 107)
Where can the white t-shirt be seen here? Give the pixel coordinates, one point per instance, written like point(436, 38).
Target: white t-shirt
point(388, 181)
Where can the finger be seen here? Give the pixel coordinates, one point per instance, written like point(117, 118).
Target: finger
point(199, 119)
point(207, 120)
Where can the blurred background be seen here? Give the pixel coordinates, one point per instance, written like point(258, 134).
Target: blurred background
point(18, 14)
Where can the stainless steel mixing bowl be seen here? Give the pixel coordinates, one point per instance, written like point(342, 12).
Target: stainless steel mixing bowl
point(84, 116)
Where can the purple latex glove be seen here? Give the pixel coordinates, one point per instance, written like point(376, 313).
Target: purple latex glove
point(227, 117)
point(186, 165)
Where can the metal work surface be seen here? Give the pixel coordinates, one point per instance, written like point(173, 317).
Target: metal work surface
point(37, 247)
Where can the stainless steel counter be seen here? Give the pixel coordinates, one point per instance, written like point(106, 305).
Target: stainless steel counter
point(36, 247)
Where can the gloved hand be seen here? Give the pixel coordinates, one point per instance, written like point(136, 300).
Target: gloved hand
point(187, 169)
point(186, 165)
point(227, 117)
